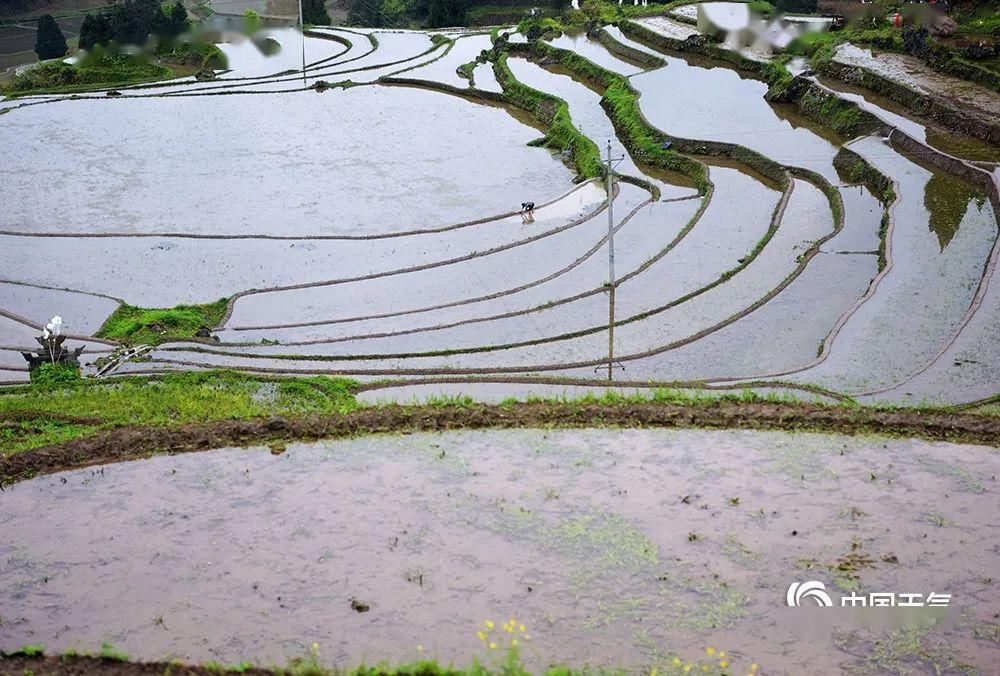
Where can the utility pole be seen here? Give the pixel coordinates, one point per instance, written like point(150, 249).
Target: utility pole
point(302, 30)
point(612, 161)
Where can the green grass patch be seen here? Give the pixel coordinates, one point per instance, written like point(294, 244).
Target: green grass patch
point(34, 432)
point(504, 657)
point(151, 326)
point(171, 399)
point(56, 375)
point(111, 654)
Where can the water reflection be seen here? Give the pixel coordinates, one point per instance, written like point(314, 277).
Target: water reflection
point(615, 549)
point(948, 199)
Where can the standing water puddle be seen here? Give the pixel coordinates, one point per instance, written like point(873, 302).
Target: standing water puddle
point(613, 548)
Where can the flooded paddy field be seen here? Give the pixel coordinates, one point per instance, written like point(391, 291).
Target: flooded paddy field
point(276, 165)
point(373, 231)
point(614, 548)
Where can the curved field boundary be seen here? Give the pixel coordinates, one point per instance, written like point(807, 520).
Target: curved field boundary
point(643, 140)
point(697, 385)
point(803, 262)
point(725, 276)
point(59, 288)
point(374, 236)
point(315, 75)
point(931, 106)
point(52, 98)
point(602, 289)
point(953, 165)
point(588, 70)
point(844, 318)
point(232, 87)
point(129, 443)
point(465, 301)
point(416, 268)
point(988, 181)
point(477, 95)
point(552, 112)
point(447, 50)
point(628, 53)
point(38, 327)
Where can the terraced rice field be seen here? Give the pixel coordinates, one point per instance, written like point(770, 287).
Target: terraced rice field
point(350, 206)
point(348, 243)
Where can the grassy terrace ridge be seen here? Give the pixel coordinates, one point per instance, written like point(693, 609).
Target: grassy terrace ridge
point(52, 426)
point(33, 660)
point(133, 325)
point(101, 70)
point(819, 48)
point(46, 412)
point(621, 102)
point(606, 12)
point(553, 112)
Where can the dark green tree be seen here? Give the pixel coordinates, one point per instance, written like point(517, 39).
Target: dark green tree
point(96, 30)
point(178, 20)
point(446, 13)
point(133, 21)
point(314, 12)
point(50, 42)
point(799, 6)
point(363, 13)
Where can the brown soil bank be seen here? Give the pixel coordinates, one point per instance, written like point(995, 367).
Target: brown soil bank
point(131, 442)
point(19, 665)
point(81, 666)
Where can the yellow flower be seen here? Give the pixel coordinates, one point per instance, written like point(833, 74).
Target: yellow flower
point(512, 622)
point(509, 628)
point(704, 668)
point(722, 653)
point(489, 624)
point(677, 661)
point(723, 664)
point(710, 651)
point(420, 648)
point(527, 637)
point(753, 668)
point(652, 672)
point(522, 628)
point(493, 646)
point(481, 634)
point(513, 642)
point(687, 668)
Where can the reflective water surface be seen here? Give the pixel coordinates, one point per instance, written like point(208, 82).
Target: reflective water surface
point(612, 547)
